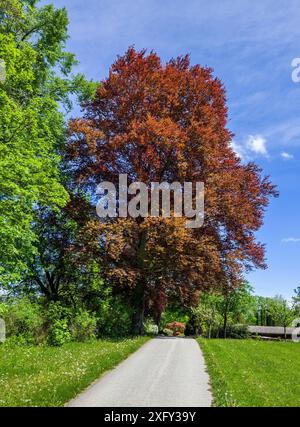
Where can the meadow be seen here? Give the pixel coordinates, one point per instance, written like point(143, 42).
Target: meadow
point(253, 372)
point(51, 376)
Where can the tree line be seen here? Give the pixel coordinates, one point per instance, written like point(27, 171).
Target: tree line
point(230, 314)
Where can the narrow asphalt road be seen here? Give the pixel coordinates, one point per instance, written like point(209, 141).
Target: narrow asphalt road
point(164, 372)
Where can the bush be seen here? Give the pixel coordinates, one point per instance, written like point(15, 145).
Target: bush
point(150, 327)
point(83, 326)
point(173, 312)
point(58, 318)
point(114, 318)
point(167, 332)
point(192, 327)
point(24, 321)
point(177, 327)
point(232, 331)
point(238, 332)
point(59, 333)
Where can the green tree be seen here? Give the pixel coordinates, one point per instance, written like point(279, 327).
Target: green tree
point(32, 126)
point(282, 314)
point(206, 316)
point(237, 306)
point(216, 311)
point(66, 265)
point(296, 301)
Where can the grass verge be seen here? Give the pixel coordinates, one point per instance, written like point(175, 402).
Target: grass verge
point(253, 372)
point(51, 376)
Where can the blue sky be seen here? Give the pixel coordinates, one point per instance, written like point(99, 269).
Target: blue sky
point(250, 45)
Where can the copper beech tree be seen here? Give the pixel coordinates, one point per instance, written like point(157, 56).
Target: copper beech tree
point(156, 123)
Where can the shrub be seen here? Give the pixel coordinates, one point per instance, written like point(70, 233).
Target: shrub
point(150, 327)
point(167, 332)
point(173, 312)
point(238, 332)
point(83, 326)
point(24, 321)
point(58, 318)
point(114, 318)
point(232, 331)
point(59, 333)
point(177, 327)
point(192, 327)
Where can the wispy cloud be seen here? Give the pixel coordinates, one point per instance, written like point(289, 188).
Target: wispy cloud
point(286, 156)
point(285, 133)
point(291, 240)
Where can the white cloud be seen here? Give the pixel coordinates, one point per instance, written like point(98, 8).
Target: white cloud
point(291, 240)
point(254, 145)
point(257, 144)
point(286, 156)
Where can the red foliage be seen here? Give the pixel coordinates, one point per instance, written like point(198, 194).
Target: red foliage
point(159, 122)
point(177, 327)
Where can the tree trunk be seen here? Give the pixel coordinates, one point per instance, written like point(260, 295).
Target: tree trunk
point(138, 321)
point(139, 310)
point(139, 292)
point(225, 318)
point(157, 319)
point(284, 332)
point(225, 325)
point(209, 331)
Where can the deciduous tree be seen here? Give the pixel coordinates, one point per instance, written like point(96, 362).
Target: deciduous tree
point(157, 122)
point(282, 314)
point(32, 126)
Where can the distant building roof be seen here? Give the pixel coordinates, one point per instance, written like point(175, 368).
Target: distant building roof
point(270, 330)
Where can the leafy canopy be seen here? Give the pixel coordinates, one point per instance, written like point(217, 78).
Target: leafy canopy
point(32, 126)
point(157, 122)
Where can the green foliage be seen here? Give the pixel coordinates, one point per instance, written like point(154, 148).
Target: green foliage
point(58, 318)
point(174, 313)
point(59, 333)
point(114, 317)
point(33, 322)
point(296, 301)
point(83, 326)
point(56, 323)
point(167, 332)
point(206, 316)
point(150, 328)
point(237, 332)
point(67, 324)
point(223, 314)
point(281, 313)
point(24, 321)
point(275, 311)
point(238, 304)
point(263, 316)
point(32, 126)
point(56, 271)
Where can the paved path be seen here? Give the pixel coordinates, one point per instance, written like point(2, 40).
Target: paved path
point(164, 372)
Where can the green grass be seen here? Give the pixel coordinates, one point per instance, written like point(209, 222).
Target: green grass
point(252, 372)
point(51, 376)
